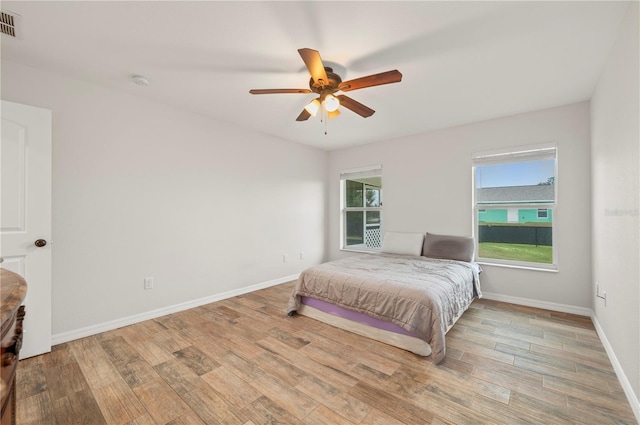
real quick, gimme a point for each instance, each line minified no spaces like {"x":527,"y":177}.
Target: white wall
{"x":615,"y":156}
{"x":427,"y":187}
{"x":142,"y":189}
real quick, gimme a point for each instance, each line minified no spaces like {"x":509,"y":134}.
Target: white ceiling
{"x":461,"y":61}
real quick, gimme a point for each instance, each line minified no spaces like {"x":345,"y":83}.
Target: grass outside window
{"x":516,"y":252}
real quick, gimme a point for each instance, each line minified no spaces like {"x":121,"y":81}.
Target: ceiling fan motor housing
{"x":326,"y":87}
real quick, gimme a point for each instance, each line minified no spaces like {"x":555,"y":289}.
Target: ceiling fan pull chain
{"x":326,"y":118}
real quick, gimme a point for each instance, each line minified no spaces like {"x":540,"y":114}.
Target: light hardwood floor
{"x":241,"y":361}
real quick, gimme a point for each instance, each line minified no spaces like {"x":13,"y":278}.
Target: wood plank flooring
{"x":241,"y":361}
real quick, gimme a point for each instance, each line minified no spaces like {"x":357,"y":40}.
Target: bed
{"x":399,"y":296}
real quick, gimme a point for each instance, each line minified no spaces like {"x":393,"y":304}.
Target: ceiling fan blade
{"x":315,"y":66}
{"x":355,"y":106}
{"x":304,"y":115}
{"x":272,"y":91}
{"x":371,"y":80}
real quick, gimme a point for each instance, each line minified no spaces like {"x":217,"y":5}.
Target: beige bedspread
{"x":422,"y":295}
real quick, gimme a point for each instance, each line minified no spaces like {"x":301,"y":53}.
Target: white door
{"x":25,"y":214}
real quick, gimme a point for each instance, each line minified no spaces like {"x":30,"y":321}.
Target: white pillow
{"x":403,"y":243}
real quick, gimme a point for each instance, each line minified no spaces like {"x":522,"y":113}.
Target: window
{"x":515,"y":199}
{"x":361,"y":205}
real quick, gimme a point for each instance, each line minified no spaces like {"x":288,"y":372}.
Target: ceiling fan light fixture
{"x":331,"y":103}
{"x":313,"y":107}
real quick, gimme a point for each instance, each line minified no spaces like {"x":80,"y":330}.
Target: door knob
{"x":40,"y":243}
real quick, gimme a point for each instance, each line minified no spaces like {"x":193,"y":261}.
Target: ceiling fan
{"x":326,"y":83}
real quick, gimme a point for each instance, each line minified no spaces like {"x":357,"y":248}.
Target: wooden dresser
{"x":13,"y":289}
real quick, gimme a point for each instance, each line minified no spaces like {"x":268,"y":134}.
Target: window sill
{"x":361,"y":250}
{"x":552,"y":268}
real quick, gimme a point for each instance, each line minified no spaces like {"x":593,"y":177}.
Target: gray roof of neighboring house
{"x":516,"y":194}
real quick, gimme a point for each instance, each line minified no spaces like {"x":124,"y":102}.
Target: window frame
{"x":510,"y":155}
{"x":363,"y":172}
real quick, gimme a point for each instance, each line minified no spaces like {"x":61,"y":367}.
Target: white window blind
{"x":361,"y":173}
{"x":530,"y":153}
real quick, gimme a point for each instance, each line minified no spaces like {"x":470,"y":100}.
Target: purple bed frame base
{"x":354,"y":316}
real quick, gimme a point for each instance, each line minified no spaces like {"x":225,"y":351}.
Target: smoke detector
{"x":139,"y":80}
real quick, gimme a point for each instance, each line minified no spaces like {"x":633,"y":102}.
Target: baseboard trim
{"x":546,"y":305}
{"x":63,"y":337}
{"x":624,"y":382}
{"x":564,"y":308}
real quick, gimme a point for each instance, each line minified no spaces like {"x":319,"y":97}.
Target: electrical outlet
{"x":148,"y":283}
{"x":285,"y":258}
{"x":302,"y":255}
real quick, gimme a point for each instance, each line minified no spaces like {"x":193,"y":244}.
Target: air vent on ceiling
{"x":10,"y":24}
